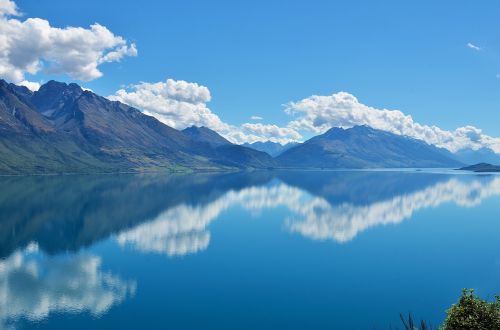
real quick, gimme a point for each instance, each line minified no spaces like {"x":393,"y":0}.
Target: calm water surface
{"x":264,"y":250}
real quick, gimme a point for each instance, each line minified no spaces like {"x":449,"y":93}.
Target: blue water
{"x":262,"y":250}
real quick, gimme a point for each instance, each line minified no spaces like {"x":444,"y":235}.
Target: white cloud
{"x":317,"y":114}
{"x":256,"y":118}
{"x":472,"y":46}
{"x":176,"y":103}
{"x":31,"y":85}
{"x":181,"y":104}
{"x":8,"y":7}
{"x":33,"y":44}
{"x":269,"y":131}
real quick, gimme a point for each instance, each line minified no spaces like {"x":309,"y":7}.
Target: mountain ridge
{"x":62,"y":128}
{"x":365,"y":147}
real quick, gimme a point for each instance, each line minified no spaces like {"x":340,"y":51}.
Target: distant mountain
{"x":61,"y":128}
{"x":272,"y":148}
{"x":483,"y":155}
{"x":482,"y":167}
{"x":364,"y":147}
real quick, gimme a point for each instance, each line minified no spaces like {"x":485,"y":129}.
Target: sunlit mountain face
{"x":64,"y":240}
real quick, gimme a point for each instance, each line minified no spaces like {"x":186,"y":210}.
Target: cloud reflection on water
{"x":184,"y":228}
{"x":318,"y":219}
{"x":34,"y":285}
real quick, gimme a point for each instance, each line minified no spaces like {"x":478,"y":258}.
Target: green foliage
{"x":472,"y":312}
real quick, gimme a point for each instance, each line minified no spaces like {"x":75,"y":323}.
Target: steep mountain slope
{"x":272,"y":148}
{"x":61,"y":128}
{"x":30,"y":144}
{"x":364,"y":147}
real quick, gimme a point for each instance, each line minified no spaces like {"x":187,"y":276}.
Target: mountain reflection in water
{"x":47,"y":224}
{"x":171,"y":214}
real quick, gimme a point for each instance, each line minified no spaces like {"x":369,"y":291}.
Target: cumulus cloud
{"x":270,"y":131}
{"x":176,"y":103}
{"x":8,"y":7}
{"x":472,"y":46}
{"x":181,"y":104}
{"x":33,"y":44}
{"x":317,"y":114}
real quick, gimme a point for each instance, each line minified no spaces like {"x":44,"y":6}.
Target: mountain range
{"x":62,"y":128}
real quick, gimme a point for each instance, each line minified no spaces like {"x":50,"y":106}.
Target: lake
{"x":260,"y":250}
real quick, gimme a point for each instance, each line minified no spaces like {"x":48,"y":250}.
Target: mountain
{"x":206,"y":135}
{"x":230,"y":154}
{"x":483,"y":155}
{"x":272,"y":148}
{"x":62,"y":128}
{"x":364,"y":147}
{"x":482,"y":167}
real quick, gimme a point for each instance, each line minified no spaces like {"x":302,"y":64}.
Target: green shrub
{"x":472,"y":312}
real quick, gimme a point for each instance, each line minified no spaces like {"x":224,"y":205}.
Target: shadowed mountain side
{"x":67,"y":212}
{"x":228,"y":154}
{"x":238,"y":156}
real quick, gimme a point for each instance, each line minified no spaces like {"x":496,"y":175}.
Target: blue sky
{"x":255,"y":56}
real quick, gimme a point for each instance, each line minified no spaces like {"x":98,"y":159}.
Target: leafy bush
{"x":472,"y":312}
